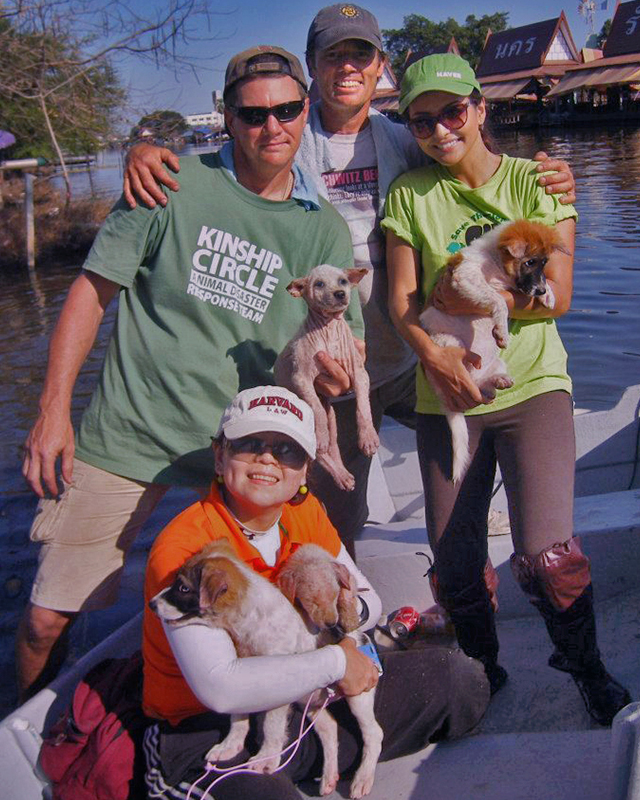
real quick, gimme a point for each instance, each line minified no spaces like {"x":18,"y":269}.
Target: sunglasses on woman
{"x":256,"y":116}
{"x":286,"y":453}
{"x":452,"y":117}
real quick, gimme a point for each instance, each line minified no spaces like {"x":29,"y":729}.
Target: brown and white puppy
{"x":326,"y":593}
{"x":216,"y":587}
{"x":511,"y":256}
{"x":327,"y":291}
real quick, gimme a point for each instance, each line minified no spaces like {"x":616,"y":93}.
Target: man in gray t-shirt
{"x":353,"y":153}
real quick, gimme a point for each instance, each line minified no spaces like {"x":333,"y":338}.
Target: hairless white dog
{"x":327,"y":291}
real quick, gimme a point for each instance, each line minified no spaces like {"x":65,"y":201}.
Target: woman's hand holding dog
{"x":447,"y":368}
{"x":360,"y":674}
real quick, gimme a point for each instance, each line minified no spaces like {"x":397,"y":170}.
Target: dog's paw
{"x":368,"y":442}
{"x":264,"y":762}
{"x":548,"y":299}
{"x":223,"y":751}
{"x":502,"y":382}
{"x":345,"y":480}
{"x":501,"y":336}
{"x":361,"y":784}
{"x":328,"y":783}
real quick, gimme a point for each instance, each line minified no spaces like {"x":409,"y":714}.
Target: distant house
{"x":615,"y":76}
{"x":387,"y":92}
{"x":416,"y":55}
{"x":524,"y":62}
{"x":212,"y":119}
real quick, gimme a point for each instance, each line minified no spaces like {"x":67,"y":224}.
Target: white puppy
{"x":327,"y":291}
{"x":511,"y":256}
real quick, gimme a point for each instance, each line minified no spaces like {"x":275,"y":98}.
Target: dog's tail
{"x":459,"y":443}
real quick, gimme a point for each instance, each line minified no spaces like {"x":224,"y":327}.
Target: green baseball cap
{"x":441,"y":72}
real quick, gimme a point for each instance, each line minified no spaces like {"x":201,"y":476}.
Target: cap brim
{"x":236,"y":430}
{"x":329,"y":38}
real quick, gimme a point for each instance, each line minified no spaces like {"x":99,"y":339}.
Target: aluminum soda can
{"x":403,"y":622}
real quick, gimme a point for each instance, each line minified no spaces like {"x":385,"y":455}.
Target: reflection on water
{"x":601,"y":332}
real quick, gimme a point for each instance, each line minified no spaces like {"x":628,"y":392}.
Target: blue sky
{"x":243,"y":24}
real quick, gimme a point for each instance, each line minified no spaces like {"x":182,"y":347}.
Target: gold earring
{"x":300,"y":496}
{"x":220,"y":479}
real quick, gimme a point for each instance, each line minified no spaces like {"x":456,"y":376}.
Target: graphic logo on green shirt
{"x":473,"y":228}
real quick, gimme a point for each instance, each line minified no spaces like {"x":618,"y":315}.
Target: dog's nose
{"x":340,"y":295}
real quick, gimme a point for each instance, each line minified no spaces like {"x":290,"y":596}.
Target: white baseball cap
{"x":271,"y":409}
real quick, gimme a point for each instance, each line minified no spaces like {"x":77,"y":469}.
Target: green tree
{"x":604,"y":34}
{"x":57,"y":63}
{"x":419,"y":34}
{"x":165,"y":124}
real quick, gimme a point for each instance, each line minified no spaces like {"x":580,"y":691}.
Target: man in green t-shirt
{"x":203,"y":312}
{"x":352,"y":153}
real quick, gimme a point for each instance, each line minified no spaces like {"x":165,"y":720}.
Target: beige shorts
{"x":85,"y":535}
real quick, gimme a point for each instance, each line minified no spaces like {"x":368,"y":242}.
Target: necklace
{"x":249,"y":532}
{"x":288,"y":187}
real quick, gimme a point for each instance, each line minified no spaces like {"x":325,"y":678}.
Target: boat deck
{"x":536,"y":741}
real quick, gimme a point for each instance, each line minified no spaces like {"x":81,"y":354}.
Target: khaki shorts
{"x":85,"y":535}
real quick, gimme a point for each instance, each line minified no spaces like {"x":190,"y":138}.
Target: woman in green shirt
{"x":431,"y":213}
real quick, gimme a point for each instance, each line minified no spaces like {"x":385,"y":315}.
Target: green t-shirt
{"x":202,"y":314}
{"x":438,"y":215}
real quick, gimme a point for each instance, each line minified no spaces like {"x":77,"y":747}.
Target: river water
{"x":601,"y":331}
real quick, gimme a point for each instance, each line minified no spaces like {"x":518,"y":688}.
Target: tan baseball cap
{"x":263,"y":58}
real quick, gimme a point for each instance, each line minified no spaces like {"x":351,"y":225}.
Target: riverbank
{"x":63,"y":234}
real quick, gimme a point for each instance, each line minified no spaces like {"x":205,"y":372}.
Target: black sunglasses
{"x":287,"y":453}
{"x":452,"y":117}
{"x":256,"y":116}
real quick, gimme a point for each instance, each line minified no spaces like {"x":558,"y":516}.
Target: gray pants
{"x":348,"y":511}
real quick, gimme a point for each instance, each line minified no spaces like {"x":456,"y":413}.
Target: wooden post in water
{"x":26,"y":164}
{"x":29,"y":220}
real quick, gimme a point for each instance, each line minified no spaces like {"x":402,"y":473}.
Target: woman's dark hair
{"x":486,"y":129}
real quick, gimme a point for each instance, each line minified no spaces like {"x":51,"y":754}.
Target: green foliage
{"x":419,"y":34}
{"x":165,"y":124}
{"x":603,"y":35}
{"x":39,"y":73}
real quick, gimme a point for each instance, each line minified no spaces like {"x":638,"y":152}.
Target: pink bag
{"x":90,"y":753}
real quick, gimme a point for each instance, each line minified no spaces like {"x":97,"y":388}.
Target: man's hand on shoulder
{"x":144,"y":173}
{"x":560,"y":181}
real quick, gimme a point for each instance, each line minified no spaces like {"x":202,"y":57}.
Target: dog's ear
{"x":345,"y":578}
{"x":296,"y":287}
{"x":213,"y":584}
{"x":287,"y":585}
{"x":514,"y":248}
{"x":356,"y":274}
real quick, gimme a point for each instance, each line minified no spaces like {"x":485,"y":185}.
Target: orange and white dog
{"x":511,"y":256}
{"x":216,"y":587}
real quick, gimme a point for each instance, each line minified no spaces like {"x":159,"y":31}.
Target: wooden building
{"x":609,"y":85}
{"x":523,"y":63}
